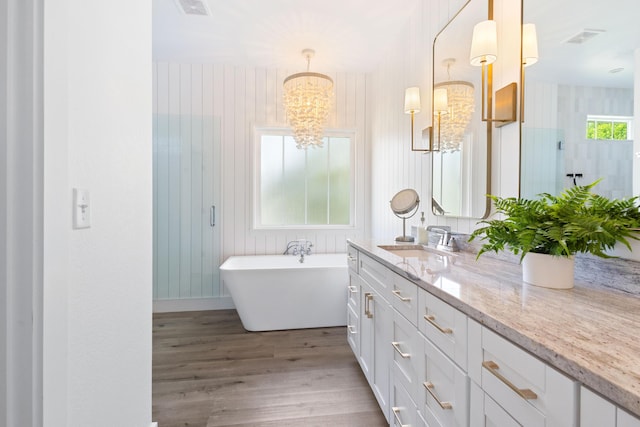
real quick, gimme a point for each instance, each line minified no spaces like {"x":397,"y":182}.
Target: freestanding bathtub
{"x":275,"y":292}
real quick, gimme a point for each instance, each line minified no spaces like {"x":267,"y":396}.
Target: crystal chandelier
{"x":455,"y":117}
{"x":308,"y":98}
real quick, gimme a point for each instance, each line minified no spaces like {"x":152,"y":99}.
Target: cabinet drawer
{"x":353,"y":330}
{"x":403,"y":409}
{"x":485,"y":412}
{"x":404,"y":297}
{"x":406,"y":348}
{"x":445,"y":326}
{"x":352,"y":258}
{"x":353,"y":297}
{"x":527,"y":388}
{"x":375,"y":274}
{"x":443,"y":390}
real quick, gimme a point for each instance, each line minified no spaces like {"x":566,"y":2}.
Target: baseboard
{"x":154,"y":424}
{"x":192,"y":304}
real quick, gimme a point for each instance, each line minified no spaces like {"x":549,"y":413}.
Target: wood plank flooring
{"x":208,"y":371}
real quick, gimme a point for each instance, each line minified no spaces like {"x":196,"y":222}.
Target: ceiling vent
{"x":584,"y":36}
{"x":193,"y":7}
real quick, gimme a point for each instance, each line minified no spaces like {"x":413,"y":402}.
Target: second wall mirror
{"x":460,"y":170}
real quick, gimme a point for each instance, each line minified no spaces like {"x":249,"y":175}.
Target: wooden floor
{"x":209,"y":371}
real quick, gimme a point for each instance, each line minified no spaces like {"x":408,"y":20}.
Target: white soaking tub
{"x":276,"y":292}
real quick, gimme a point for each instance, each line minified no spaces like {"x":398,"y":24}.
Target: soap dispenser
{"x":423,"y":234}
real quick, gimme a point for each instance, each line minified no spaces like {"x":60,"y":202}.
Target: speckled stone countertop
{"x":590,"y":332}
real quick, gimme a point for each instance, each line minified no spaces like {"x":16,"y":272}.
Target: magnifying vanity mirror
{"x":578,"y":123}
{"x":460,"y":169}
{"x":405,"y":205}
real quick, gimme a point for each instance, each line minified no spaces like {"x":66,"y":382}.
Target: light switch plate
{"x":81,"y":208}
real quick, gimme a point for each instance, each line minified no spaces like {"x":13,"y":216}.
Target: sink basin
{"x":414,"y":251}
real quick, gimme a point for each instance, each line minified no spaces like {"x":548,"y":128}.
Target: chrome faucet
{"x":300,"y":247}
{"x":447,"y":242}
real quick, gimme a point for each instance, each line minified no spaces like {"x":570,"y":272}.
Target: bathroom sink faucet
{"x":447,"y":242}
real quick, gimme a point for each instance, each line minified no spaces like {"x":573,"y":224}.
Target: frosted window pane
{"x":294,"y":183}
{"x":271,"y":184}
{"x":340,"y":181}
{"x":317,"y":184}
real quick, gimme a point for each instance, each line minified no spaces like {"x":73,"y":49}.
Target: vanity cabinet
{"x":596,"y":411}
{"x":510,"y":382}
{"x":375,"y":316}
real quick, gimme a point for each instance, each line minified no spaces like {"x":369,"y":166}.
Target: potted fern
{"x":549,"y":231}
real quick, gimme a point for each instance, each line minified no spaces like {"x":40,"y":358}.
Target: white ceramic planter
{"x":548,"y":271}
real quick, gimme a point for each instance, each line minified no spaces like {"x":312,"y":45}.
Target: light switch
{"x":81,"y":208}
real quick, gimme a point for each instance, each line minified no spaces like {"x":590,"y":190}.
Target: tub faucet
{"x":300,"y":247}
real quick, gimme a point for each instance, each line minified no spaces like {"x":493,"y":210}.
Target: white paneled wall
{"x":394,"y":165}
{"x":242,"y":99}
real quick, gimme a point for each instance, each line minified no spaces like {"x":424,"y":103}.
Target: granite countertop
{"x":590,"y":332}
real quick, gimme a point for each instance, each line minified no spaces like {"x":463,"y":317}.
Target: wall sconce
{"x":412,"y":106}
{"x":440,"y":107}
{"x":484,"y":52}
{"x":529,"y":57}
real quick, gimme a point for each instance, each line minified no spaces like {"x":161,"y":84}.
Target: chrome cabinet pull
{"x":351,"y":329}
{"x":350,"y":258}
{"x":493,"y":367}
{"x":399,"y":295}
{"x":212,"y":216}
{"x":429,"y":386}
{"x":353,"y":289}
{"x":396,"y":414}
{"x":396,"y":345}
{"x":432,"y":320}
{"x":368,"y":296}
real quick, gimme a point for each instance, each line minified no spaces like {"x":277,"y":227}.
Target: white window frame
{"x":336,"y":133}
{"x":613,"y":119}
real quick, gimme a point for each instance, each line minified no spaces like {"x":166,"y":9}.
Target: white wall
{"x":394,"y":165}
{"x":97,"y":283}
{"x":244,"y":98}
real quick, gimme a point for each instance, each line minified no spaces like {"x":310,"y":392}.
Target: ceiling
{"x":352,"y":35}
{"x":347,"y":35}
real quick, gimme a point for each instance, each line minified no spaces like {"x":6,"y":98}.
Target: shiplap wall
{"x":394,"y":165}
{"x":245,"y":98}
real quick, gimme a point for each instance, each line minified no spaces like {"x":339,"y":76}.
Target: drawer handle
{"x":351,"y":258}
{"x":429,"y":386}
{"x":353,"y":290}
{"x":396,"y":414}
{"x":403,"y":299}
{"x":396,"y":345}
{"x":493,"y":367}
{"x":351,"y":329}
{"x":368,"y":296}
{"x":432,"y":320}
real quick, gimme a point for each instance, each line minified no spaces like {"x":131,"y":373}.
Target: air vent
{"x":193,"y":7}
{"x":584,"y":36}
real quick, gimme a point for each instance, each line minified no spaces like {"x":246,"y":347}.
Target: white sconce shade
{"x":529,"y":45}
{"x":440,"y":102}
{"x":484,"y":44}
{"x":412,"y":100}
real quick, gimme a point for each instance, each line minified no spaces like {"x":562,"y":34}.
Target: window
{"x":609,"y":127}
{"x":309,"y":188}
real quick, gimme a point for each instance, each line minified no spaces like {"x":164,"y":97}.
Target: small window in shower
{"x":609,"y":128}
{"x":303,"y":188}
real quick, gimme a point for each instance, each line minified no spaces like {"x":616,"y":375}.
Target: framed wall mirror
{"x":461,"y":167}
{"x":578,"y":121}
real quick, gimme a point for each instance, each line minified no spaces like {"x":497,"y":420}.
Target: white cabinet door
{"x":485,"y":412}
{"x":375,"y":337}
{"x":365,"y":358}
{"x":625,"y":419}
{"x":353,"y":331}
{"x":380,"y":375}
{"x":596,"y":411}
